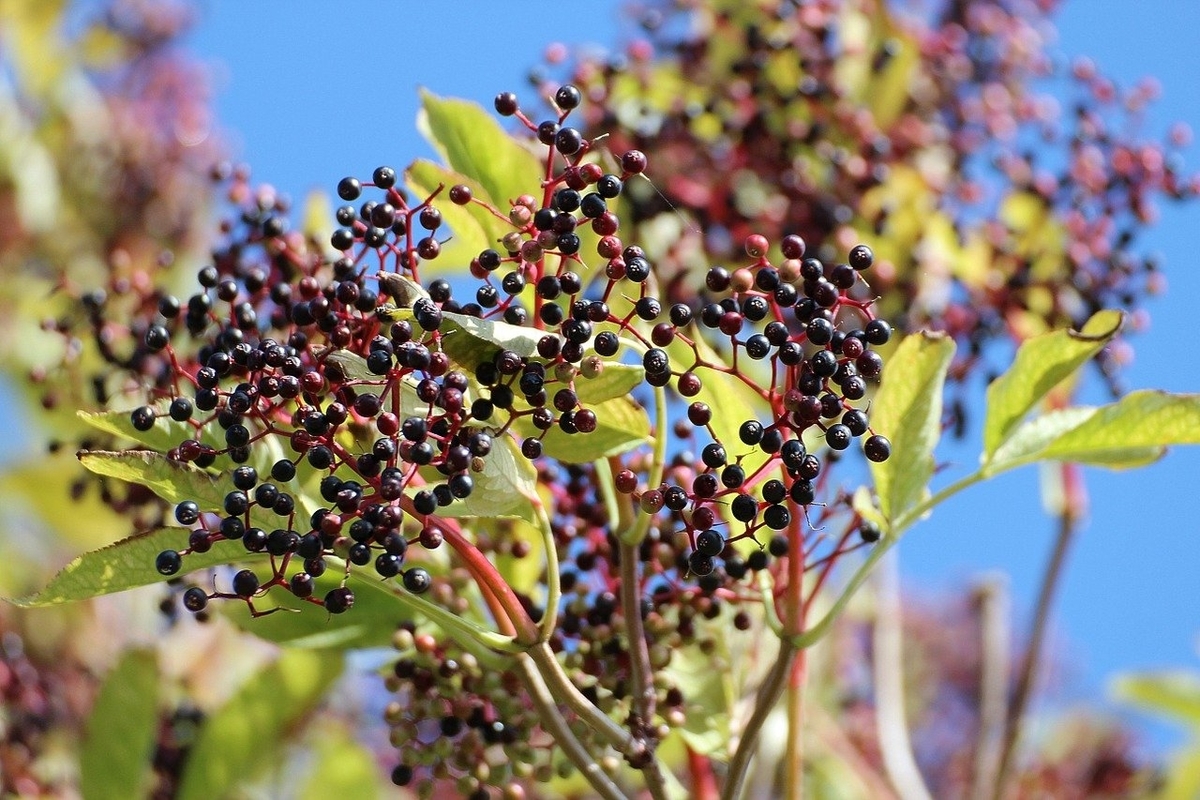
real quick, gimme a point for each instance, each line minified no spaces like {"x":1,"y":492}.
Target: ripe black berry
{"x":417,"y":580}
{"x":168,"y":562}
{"x":339,"y":601}
{"x":877,"y":448}
{"x":245,"y":583}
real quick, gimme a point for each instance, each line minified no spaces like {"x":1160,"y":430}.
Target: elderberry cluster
{"x":355,"y":412}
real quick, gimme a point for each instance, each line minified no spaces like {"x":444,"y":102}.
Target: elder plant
{"x":601,"y":523}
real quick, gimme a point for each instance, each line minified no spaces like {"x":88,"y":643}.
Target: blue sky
{"x":311,"y":96}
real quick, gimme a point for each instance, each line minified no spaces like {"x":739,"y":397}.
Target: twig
{"x":991,"y":597}
{"x":890,"y":721}
{"x":639,"y":665}
{"x":1029,"y":665}
{"x":768,"y":695}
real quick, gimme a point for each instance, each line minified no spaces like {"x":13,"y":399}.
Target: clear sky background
{"x":310,"y":92}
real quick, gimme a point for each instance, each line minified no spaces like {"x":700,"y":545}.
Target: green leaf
{"x":42,"y":487}
{"x":908,"y":410}
{"x":1032,"y":441}
{"x":615,"y":380}
{"x":470,"y":341}
{"x":622,"y":425}
{"x":128,"y":564}
{"x":343,"y":768}
{"x":171,"y":480}
{"x":371,"y":623}
{"x":709,"y":694}
{"x":473,"y":227}
{"x":523,"y":574}
{"x":504,"y":486}
{"x":1041,"y":363}
{"x":1141,"y":420}
{"x":1175,"y":694}
{"x":114,"y":762}
{"x":165,"y":434}
{"x":247,"y":734}
{"x":473,"y":144}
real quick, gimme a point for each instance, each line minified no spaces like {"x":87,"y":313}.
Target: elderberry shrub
{"x":358,"y":414}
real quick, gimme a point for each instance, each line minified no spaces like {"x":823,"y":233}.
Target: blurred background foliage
{"x":107,"y":148}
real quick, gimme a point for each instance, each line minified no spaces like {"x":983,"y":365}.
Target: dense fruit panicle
{"x":358,"y":414}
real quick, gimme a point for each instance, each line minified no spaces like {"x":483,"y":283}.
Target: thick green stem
{"x":553,"y":579}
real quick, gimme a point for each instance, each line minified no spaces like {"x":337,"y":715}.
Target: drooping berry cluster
{"x":357,"y":411}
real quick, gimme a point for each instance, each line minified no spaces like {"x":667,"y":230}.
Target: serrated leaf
{"x":1173,"y":693}
{"x":354,"y":367}
{"x":344,"y":767}
{"x":621,"y":425}
{"x":166,"y":433}
{"x":472,"y":143}
{"x":173,"y":481}
{"x":1141,"y":420}
{"x":908,"y":410}
{"x":128,"y":564}
{"x":470,"y":341}
{"x":1031,"y":441}
{"x":405,"y":291}
{"x":370,"y":623}
{"x":114,"y":762}
{"x":1041,"y":363}
{"x":504,"y":486}
{"x":247,"y":735}
{"x":473,"y":227}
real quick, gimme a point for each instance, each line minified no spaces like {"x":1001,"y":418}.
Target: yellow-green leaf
{"x":344,"y":767}
{"x":473,"y":227}
{"x":114,"y":762}
{"x":908,"y":410}
{"x":473,"y":144}
{"x":247,"y":735}
{"x":622,"y":425}
{"x":1142,"y":420}
{"x":504,"y":486}
{"x":1173,"y":693}
{"x":128,"y":564}
{"x":1041,"y":364}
